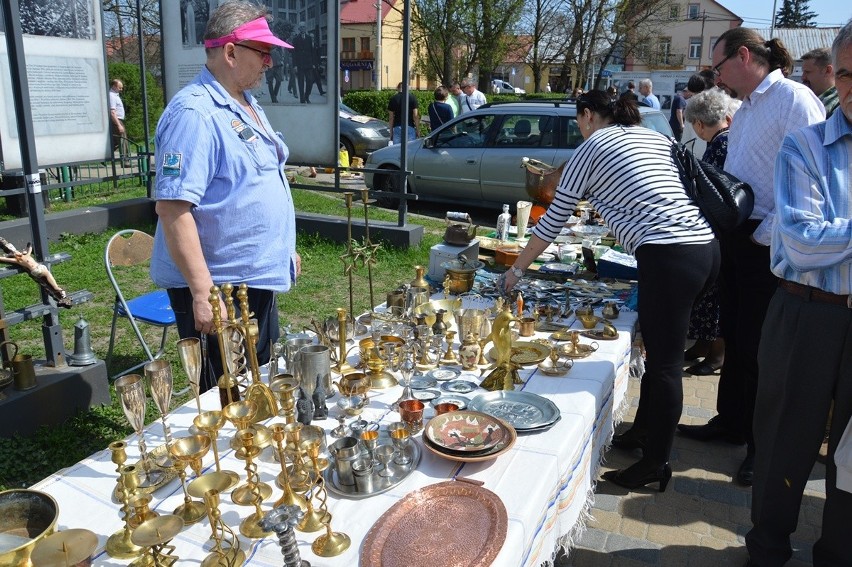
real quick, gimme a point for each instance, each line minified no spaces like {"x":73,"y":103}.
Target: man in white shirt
{"x":116,"y":121}
{"x":472,"y":98}
{"x":646,"y":89}
{"x":752,"y":70}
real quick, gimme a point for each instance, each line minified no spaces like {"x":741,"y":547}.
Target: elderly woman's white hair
{"x":710,"y":107}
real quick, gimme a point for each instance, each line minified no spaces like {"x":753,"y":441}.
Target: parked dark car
{"x":476,"y":157}
{"x":361,"y":135}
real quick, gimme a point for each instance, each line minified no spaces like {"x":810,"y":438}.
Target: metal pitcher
{"x":291,"y":348}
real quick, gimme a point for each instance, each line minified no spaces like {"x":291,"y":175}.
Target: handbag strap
{"x":686,"y":166}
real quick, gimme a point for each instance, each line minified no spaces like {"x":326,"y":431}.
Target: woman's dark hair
{"x":441,"y":93}
{"x":624,"y":111}
{"x":701,"y":81}
{"x":772,"y":53}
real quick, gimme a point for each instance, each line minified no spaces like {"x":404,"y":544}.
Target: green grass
{"x":320,"y":290}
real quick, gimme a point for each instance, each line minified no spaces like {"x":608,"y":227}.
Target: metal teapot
{"x":460,"y":229}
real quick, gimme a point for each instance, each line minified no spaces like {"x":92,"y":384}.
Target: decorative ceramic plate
{"x":460,"y":401}
{"x":425,"y":395}
{"x":476,"y":456}
{"x":459,"y":386}
{"x":441,"y":374}
{"x":465,"y":431}
{"x":525,"y":353}
{"x":449,"y":524}
{"x":423,"y":382}
{"x":521,"y":410}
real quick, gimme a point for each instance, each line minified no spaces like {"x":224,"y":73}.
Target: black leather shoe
{"x":745,"y":476}
{"x":629,"y":440}
{"x":631,"y":480}
{"x":710,"y":431}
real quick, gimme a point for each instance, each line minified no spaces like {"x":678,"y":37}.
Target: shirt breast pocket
{"x":255,"y":149}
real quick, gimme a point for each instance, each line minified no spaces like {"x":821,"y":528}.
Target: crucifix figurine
{"x":38,"y":272}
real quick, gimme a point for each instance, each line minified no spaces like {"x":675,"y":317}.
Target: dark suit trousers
{"x":261,"y":302}
{"x":805,"y":363}
{"x":747,"y":285}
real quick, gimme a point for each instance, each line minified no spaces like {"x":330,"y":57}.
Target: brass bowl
{"x":448,"y":305}
{"x":354,"y":384}
{"x":26,"y":518}
{"x":588,"y":321}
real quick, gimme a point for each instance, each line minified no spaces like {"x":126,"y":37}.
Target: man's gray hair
{"x":708,"y":107}
{"x":842,"y":41}
{"x":231,"y":15}
{"x":646,"y":83}
{"x":821,"y":56}
{"x":468,"y":83}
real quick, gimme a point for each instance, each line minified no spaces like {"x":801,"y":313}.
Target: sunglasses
{"x":265,"y":55}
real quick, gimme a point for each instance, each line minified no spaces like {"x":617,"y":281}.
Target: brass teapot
{"x":460,"y":229}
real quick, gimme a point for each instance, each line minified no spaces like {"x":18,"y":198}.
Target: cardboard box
{"x":441,"y":253}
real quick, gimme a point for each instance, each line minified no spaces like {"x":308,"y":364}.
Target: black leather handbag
{"x":725,"y":200}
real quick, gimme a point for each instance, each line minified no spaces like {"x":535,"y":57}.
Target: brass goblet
{"x":209,"y":423}
{"x":283,"y":387}
{"x":131,"y":392}
{"x":242,"y":414}
{"x":189,"y":451}
{"x":189,"y":350}
{"x":161,"y":383}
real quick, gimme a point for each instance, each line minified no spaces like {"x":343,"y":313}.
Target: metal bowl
{"x":449,"y":305}
{"x":26,"y":517}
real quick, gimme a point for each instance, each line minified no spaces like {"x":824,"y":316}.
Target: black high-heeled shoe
{"x":629,"y":440}
{"x":632,"y":481}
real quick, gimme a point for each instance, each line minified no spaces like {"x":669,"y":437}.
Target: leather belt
{"x":815,"y":294}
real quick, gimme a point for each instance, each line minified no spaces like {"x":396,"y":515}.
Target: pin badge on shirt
{"x":171,"y":163}
{"x":244,"y":131}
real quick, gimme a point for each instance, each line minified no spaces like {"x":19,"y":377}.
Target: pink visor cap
{"x":255,"y":30}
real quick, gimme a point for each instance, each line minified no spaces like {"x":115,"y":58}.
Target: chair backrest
{"x":129,"y":248}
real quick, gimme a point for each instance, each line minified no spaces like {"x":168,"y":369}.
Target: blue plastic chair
{"x":133,"y":248}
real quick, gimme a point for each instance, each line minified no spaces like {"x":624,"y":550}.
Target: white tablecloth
{"x":544,"y":480}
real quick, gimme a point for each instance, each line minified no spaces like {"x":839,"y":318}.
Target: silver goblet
{"x":161,"y":382}
{"x":131,"y":392}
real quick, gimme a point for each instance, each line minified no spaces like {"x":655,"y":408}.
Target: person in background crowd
{"x":224,"y":205}
{"x":275,"y":74}
{"x":547,"y":88}
{"x":303,"y":62}
{"x":676,"y":254}
{"x":805,"y":351}
{"x":773,"y":106}
{"x":646,"y":89}
{"x":439,"y":111}
{"x":676,"y":117}
{"x":631,"y":91}
{"x":710,"y":113}
{"x":454,"y":98}
{"x":818,"y":74}
{"x":613,"y":93}
{"x":395,"y":115}
{"x":472,"y":98}
{"x":116,"y":122}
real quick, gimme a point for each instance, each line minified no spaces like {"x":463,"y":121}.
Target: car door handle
{"x":471,"y":161}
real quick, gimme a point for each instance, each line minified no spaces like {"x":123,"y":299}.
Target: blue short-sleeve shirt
{"x":211,"y":153}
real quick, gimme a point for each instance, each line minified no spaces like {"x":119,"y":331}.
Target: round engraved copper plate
{"x":449,"y":524}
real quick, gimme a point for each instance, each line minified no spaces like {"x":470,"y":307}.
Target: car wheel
{"x":390,"y":183}
{"x":350,"y":148}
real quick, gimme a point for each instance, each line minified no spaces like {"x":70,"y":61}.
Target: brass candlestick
{"x":141,"y":510}
{"x":283,"y":387}
{"x":250,"y":526}
{"x":242,"y":414}
{"x":258,"y":392}
{"x":342,"y":367}
{"x":330,"y":544}
{"x":243,"y":495}
{"x":369,"y":249}
{"x":209,"y":423}
{"x":288,"y":498}
{"x":450,"y":354}
{"x":299,"y":477}
{"x":189,"y":451}
{"x":229,"y":391}
{"x":229,"y":554}
{"x":119,"y":544}
{"x":350,"y":258}
{"x":317,"y":515}
{"x":154,"y":535}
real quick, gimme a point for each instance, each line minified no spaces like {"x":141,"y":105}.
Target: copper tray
{"x":477,"y":457}
{"x":449,"y":524}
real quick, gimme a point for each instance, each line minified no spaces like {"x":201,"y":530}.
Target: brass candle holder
{"x":72,"y":547}
{"x":242,"y":414}
{"x":342,"y":367}
{"x":226,"y":550}
{"x":283,"y":387}
{"x":209,"y":423}
{"x":227,"y":384}
{"x":250,"y":526}
{"x":289,"y":497}
{"x":258,"y":392}
{"x":331,"y":543}
{"x":119,"y":544}
{"x":316,"y":515}
{"x":154,"y":535}
{"x":450,"y":357}
{"x":299,"y":477}
{"x":189,"y":451}
{"x":141,"y":510}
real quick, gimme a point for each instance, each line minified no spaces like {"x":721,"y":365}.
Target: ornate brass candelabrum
{"x":154,"y":535}
{"x":229,"y":391}
{"x":209,"y":423}
{"x":289,"y":497}
{"x":331,"y":543}
{"x":226,"y":550}
{"x":189,"y":451}
{"x":258,"y":392}
{"x":119,"y":544}
{"x":250,"y":526}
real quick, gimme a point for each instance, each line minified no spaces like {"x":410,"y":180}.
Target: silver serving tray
{"x":523,"y":410}
{"x":380,"y":483}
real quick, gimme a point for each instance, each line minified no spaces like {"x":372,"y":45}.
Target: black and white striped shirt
{"x":628,"y":175}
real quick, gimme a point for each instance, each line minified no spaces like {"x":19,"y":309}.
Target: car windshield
{"x":346,"y":110}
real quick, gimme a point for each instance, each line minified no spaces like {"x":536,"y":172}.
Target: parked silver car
{"x":476,"y":157}
{"x":361,"y":135}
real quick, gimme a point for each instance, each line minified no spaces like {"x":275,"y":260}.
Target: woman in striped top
{"x":627,"y":173}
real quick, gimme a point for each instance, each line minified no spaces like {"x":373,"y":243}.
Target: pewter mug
{"x":313,"y":363}
{"x":291,"y":347}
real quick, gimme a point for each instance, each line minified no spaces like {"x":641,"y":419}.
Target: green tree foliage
{"x":132,"y":98}
{"x":795,"y":14}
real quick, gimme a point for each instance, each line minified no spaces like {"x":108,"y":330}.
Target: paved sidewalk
{"x":701,"y":519}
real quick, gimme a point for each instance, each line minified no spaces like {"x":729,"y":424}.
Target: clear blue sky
{"x":758,"y":13}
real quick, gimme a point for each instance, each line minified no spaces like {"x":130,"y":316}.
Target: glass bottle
{"x":503,"y":222}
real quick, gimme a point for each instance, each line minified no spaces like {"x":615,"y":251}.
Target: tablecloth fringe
{"x":567,"y":542}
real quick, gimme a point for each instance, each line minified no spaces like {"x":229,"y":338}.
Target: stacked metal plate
{"x":525,"y":411}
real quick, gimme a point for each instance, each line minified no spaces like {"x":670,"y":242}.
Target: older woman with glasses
{"x":627,"y":173}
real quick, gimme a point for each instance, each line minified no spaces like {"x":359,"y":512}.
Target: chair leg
{"x":162,"y":349}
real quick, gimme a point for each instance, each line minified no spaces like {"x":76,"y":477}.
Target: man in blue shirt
{"x":224,"y":205}
{"x":805,"y":349}
{"x":646,"y":89}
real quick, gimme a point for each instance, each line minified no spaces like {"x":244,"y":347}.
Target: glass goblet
{"x":131,"y":392}
{"x":160,"y":381}
{"x":189,"y":350}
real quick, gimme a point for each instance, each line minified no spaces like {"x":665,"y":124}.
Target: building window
{"x":674,"y":11}
{"x":694,"y":47}
{"x":642,"y":52}
{"x":292,"y":4}
{"x":664,"y":48}
{"x":713,"y":40}
{"x":365,"y":44}
{"x":693,"y":11}
{"x":348,"y":44}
